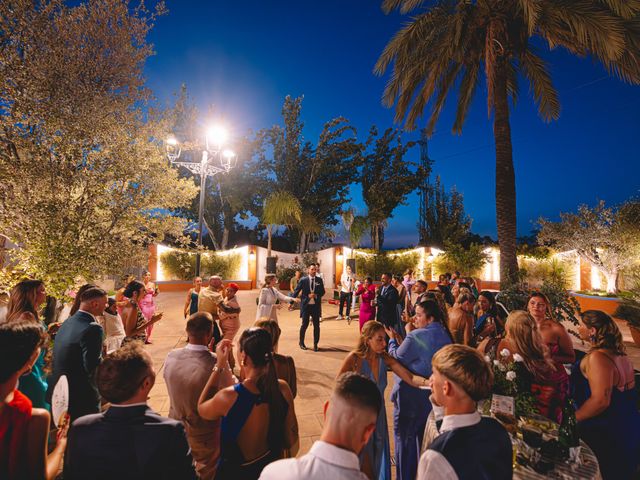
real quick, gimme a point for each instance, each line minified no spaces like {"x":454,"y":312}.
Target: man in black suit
{"x":129,"y":441}
{"x":77,"y":351}
{"x":312,"y":289}
{"x":387,"y":301}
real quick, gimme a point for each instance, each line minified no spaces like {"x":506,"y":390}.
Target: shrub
{"x":396,"y":262}
{"x":469,"y":262}
{"x":181,"y":264}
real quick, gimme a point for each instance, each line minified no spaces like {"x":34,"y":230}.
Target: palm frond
{"x":444,"y":85}
{"x":531,"y":10}
{"x":405,"y":6}
{"x":627,"y":9}
{"x":281,"y":208}
{"x":546,"y":96}
{"x":468,"y":87}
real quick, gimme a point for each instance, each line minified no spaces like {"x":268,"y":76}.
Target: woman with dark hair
{"x":371,"y":360}
{"x":487,"y":323}
{"x":135,"y":324}
{"x":24,"y":303}
{"x":367,"y":301}
{"x":24,"y":430}
{"x":604,"y":390}
{"x":445,"y":288}
{"x":285,"y":366}
{"x":258,"y":417}
{"x":426,"y":334}
{"x":552,"y":331}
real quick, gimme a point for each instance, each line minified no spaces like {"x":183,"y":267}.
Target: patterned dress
{"x":140,"y":336}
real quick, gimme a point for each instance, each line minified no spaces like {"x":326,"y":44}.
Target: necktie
{"x":313,"y":283}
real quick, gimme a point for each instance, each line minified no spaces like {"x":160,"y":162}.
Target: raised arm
{"x":403,"y":373}
{"x":216,"y":398}
{"x":283,"y":298}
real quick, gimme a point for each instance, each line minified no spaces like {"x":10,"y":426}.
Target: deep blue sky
{"x":245,"y":57}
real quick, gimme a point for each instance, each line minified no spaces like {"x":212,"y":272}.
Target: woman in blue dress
{"x":604,"y":390}
{"x":371,"y":360}
{"x":191,"y":305}
{"x":24,"y":302}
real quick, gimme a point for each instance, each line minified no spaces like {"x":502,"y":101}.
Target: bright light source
{"x":172,"y":141}
{"x":228,"y":154}
{"x":217,"y":135}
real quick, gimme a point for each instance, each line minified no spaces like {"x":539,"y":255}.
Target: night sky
{"x":245,"y":57}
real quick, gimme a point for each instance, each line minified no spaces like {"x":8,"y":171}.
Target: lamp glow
{"x":217,"y":135}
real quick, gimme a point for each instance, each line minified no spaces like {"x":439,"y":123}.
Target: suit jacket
{"x":387,"y":302}
{"x":77,"y":351}
{"x":127,"y":443}
{"x":304,"y":286}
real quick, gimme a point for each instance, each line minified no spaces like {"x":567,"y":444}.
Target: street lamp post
{"x":214,"y":160}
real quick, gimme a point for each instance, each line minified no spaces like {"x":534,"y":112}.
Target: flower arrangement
{"x":512,"y":379}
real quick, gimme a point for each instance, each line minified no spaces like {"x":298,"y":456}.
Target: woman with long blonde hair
{"x":549,"y":381}
{"x":604,"y":389}
{"x":25,"y":301}
{"x":370,"y":359}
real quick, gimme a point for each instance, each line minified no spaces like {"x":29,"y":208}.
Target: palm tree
{"x":280,"y":208}
{"x":310,"y":229}
{"x":347,"y":220}
{"x":359,"y":227}
{"x":446,"y":45}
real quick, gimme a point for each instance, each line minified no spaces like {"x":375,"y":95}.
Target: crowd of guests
{"x":232,"y":412}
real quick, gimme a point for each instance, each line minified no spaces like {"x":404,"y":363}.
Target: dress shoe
{"x":303,"y":346}
{"x":315,"y":348}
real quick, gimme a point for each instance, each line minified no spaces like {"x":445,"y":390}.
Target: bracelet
{"x":218,"y":369}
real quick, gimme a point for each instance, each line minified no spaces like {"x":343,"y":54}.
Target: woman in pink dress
{"x":367,"y":301}
{"x":147,"y":304}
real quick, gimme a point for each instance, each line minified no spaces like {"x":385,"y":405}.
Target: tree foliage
{"x":448,"y":44}
{"x":84,"y":183}
{"x":280,"y":208}
{"x":446,"y":221}
{"x":387,"y":179}
{"x":319,"y":175}
{"x":608,"y":238}
{"x":468,"y":261}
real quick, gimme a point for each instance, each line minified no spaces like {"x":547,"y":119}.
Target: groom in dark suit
{"x":77,"y":351}
{"x":387,"y":301}
{"x":312,"y":289}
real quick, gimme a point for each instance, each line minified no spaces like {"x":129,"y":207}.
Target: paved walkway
{"x":316,"y":370}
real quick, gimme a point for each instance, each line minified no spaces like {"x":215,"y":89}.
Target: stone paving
{"x":316,"y":371}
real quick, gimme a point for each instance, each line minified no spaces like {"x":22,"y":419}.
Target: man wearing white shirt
{"x":346,"y":292}
{"x":350,"y":419}
{"x":469,"y":446}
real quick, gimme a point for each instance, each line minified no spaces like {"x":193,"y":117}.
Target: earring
{"x":592,"y":338}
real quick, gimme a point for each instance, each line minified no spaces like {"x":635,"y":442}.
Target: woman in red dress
{"x":367,"y":301}
{"x":24,"y":430}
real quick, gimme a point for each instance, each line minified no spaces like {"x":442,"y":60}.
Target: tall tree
{"x":84,"y":183}
{"x":445,"y":218}
{"x":387,"y":179}
{"x":318,"y":176}
{"x":448,"y":43}
{"x":607,"y":238}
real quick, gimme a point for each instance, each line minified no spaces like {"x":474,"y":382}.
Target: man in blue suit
{"x":129,"y":441}
{"x":387,"y":302}
{"x":77,"y":351}
{"x":312,"y":288}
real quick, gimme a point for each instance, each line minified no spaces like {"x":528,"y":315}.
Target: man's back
{"x":76,"y":353}
{"x":127,"y":443}
{"x":323,"y":462}
{"x":186,"y":371}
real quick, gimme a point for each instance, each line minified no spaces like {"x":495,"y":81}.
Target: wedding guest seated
{"x":469,"y":446}
{"x":186,"y":371}
{"x":285,"y":366}
{"x":549,"y":381}
{"x":487,"y":322}
{"x":129,"y":440}
{"x":461,"y":318}
{"x":349,"y":420}
{"x":604,"y":389}
{"x":554,"y":335}
{"x":24,"y":430}
{"x":258,"y":417}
